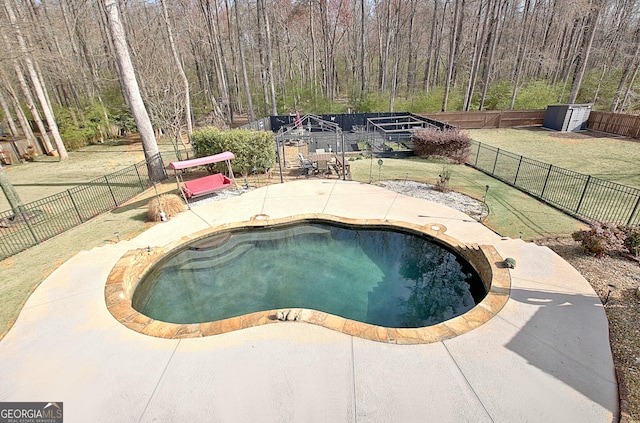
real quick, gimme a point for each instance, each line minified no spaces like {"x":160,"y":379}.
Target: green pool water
{"x":378,"y":276}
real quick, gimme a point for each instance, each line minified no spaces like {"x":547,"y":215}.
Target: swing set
{"x":206,"y":184}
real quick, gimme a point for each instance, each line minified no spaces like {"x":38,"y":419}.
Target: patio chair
{"x":306,"y":165}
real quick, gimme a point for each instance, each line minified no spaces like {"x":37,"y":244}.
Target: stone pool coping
{"x":135,"y":264}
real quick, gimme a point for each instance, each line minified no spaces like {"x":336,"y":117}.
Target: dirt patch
{"x":582,"y":135}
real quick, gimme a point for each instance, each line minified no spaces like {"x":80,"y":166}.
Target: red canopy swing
{"x":206,"y":184}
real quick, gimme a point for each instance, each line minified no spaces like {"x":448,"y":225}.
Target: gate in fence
{"x":40,"y":220}
{"x":580,"y":195}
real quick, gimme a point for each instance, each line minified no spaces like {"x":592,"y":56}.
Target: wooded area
{"x":211,"y":60}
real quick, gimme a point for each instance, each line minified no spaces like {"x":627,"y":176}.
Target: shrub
{"x":632,"y":239}
{"x":449,"y":143}
{"x":170,"y":204}
{"x":600,"y":240}
{"x":442,"y":184}
{"x":254,"y":150}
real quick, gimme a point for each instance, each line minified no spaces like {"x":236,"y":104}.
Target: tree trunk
{"x":22,"y":119}
{"x":245,"y":79}
{"x":7,"y":114}
{"x":396,"y":58}
{"x":411,"y":63}
{"x":36,"y":84}
{"x":625,"y":76}
{"x":362,"y":47}
{"x":314,"y":59}
{"x":176,"y":58}
{"x":223,"y":79}
{"x":272,"y":89}
{"x":34,"y":111}
{"x":625,"y":99}
{"x":595,"y":94}
{"x":583,"y":57}
{"x":426,"y":85}
{"x":477,"y":55}
{"x":262,"y":48}
{"x":493,"y":36}
{"x":10,"y":192}
{"x":131,"y":91}
{"x":452,"y":55}
{"x":523,"y":42}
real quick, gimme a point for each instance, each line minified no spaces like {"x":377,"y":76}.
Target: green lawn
{"x":512,"y":213}
{"x":612,"y":158}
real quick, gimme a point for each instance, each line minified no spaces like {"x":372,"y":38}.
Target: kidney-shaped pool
{"x":376,"y":278}
{"x":381,"y":276}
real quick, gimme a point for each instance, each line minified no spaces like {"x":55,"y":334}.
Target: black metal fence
{"x":583,"y":196}
{"x":40,"y":220}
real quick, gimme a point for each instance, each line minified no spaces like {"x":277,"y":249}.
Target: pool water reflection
{"x":384,"y":277}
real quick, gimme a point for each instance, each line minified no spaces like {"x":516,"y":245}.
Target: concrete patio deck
{"x":544,"y":358}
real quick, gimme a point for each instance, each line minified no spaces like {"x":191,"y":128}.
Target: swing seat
{"x":206,"y":185}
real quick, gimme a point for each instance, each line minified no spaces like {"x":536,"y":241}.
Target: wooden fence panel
{"x":615,"y":123}
{"x":490,"y":118}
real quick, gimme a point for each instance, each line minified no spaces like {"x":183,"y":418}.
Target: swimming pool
{"x":377,"y":275}
{"x":381,"y":280}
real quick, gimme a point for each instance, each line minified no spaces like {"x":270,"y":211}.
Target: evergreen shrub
{"x":254,"y":150}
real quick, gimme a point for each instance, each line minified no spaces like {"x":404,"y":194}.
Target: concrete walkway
{"x":544,"y":358}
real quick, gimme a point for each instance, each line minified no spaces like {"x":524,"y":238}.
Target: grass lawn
{"x":512,"y":213}
{"x":47,"y":175}
{"x":593,"y":153}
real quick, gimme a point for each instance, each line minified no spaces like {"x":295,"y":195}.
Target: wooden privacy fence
{"x":490,"y":118}
{"x":615,"y":123}
{"x":612,"y":123}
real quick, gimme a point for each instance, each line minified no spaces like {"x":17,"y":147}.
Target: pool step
{"x":225,"y":247}
{"x":211,"y":260}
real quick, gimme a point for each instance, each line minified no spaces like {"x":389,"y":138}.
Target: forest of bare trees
{"x":213,"y":60}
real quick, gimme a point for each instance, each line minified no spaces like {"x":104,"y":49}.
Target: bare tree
{"x":131,"y":91}
{"x":9,"y":118}
{"x":36,"y":83}
{"x":629,"y":64}
{"x":22,"y":119}
{"x":178,"y":62}
{"x":243,"y":62}
{"x":585,"y":50}
{"x":452,"y":54}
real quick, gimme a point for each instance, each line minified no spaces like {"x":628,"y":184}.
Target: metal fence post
{"x":26,"y":221}
{"x":477,"y":155}
{"x":584,"y":191}
{"x":544,"y":187}
{"x":111,"y":191}
{"x":517,"y":172}
{"x":495,"y":162}
{"x":135,"y":166}
{"x":633,"y":213}
{"x":75,"y":206}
